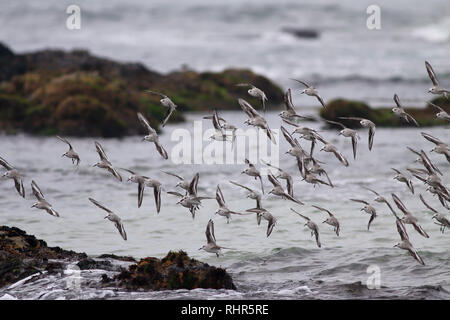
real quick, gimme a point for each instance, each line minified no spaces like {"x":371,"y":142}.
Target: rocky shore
{"x":22,"y":255}
{"x":76,"y":93}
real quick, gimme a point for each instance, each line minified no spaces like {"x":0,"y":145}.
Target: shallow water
{"x":287,"y":265}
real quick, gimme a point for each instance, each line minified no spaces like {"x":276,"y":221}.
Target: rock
{"x":302,"y":33}
{"x":22,"y":255}
{"x":382,"y":117}
{"x":74,"y":93}
{"x":175,"y":271}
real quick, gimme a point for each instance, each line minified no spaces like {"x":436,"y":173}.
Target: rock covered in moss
{"x":383,"y":117}
{"x":175,"y":271}
{"x":76,"y":93}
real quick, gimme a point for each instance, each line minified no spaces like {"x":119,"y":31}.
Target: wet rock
{"x":302,"y":33}
{"x":74,"y":93}
{"x":22,"y":255}
{"x":175,"y":271}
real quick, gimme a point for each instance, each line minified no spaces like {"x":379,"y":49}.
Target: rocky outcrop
{"x":382,"y":117}
{"x":76,"y":93}
{"x":22,"y":255}
{"x":175,"y":271}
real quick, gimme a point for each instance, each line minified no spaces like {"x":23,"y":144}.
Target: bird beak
{"x":200,"y":248}
{"x":63,"y":155}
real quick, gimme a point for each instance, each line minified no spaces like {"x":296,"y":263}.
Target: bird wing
{"x":302,"y":82}
{"x":173,"y":174}
{"x":242,"y":186}
{"x":304,"y":217}
{"x":335,"y":122}
{"x":288,"y":137}
{"x":397,"y":101}
{"x":361,"y":201}
{"x":141,"y":187}
{"x":154,"y":92}
{"x":210,"y":238}
{"x":145,"y":123}
{"x":436,"y":106}
{"x":248,"y":109}
{"x":98,"y":204}
{"x":5,"y":164}
{"x":37,"y":191}
{"x":161,"y":150}
{"x":371,"y":136}
{"x":431,"y":73}
{"x":65,"y":141}
{"x":399,"y":204}
{"x":273,"y":180}
{"x":320,"y":100}
{"x":193,"y":185}
{"x":219,"y":197}
{"x":288,"y":101}
{"x":323,"y":209}
{"x":167,"y":116}
{"x":430,"y":138}
{"x":426,"y":204}
{"x":157,"y":194}
{"x":175,"y":193}
{"x":100,"y":151}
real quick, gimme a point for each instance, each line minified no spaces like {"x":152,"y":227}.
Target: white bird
{"x":278,"y":190}
{"x":253,"y":172}
{"x":211,"y":245}
{"x":368,"y":209}
{"x":223,"y":209}
{"x":310,"y":91}
{"x":152,"y":136}
{"x":440,"y":148}
{"x":401,"y":113}
{"x":42,"y":203}
{"x":283,"y":175}
{"x":347,"y":132}
{"x":402,"y":178}
{"x":435,"y":89}
{"x":331,"y":220}
{"x":442,"y":221}
{"x":255,"y":92}
{"x":408,"y":217}
{"x":271,"y":220}
{"x":290,"y":114}
{"x":12,"y":173}
{"x":365,"y":123}
{"x":442,"y":114}
{"x":166,"y":102}
{"x":71,"y":154}
{"x":104,"y":163}
{"x":328,"y":147}
{"x":111,"y":216}
{"x":255,"y":119}
{"x":405,"y":244}
{"x":140,"y":180}
{"x":312,"y":226}
{"x":183,"y":184}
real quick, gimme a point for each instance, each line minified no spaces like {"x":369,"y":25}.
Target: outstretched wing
{"x":210,"y":237}
{"x":145,"y":123}
{"x":219,"y":197}
{"x":98,"y":204}
{"x":431,"y":73}
{"x":65,"y":141}
{"x":100,"y":151}
{"x":37,"y":191}
{"x":5,"y":164}
{"x":426,"y":204}
{"x":302,"y":82}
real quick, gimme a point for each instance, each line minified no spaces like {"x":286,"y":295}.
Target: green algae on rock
{"x":382,"y":117}
{"x":78,"y":94}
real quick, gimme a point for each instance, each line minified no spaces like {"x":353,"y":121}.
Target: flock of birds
{"x":309,"y":167}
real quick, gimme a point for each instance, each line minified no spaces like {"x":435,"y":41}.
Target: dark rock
{"x":175,"y":271}
{"x":22,"y":255}
{"x":74,"y":93}
{"x":302,"y":33}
